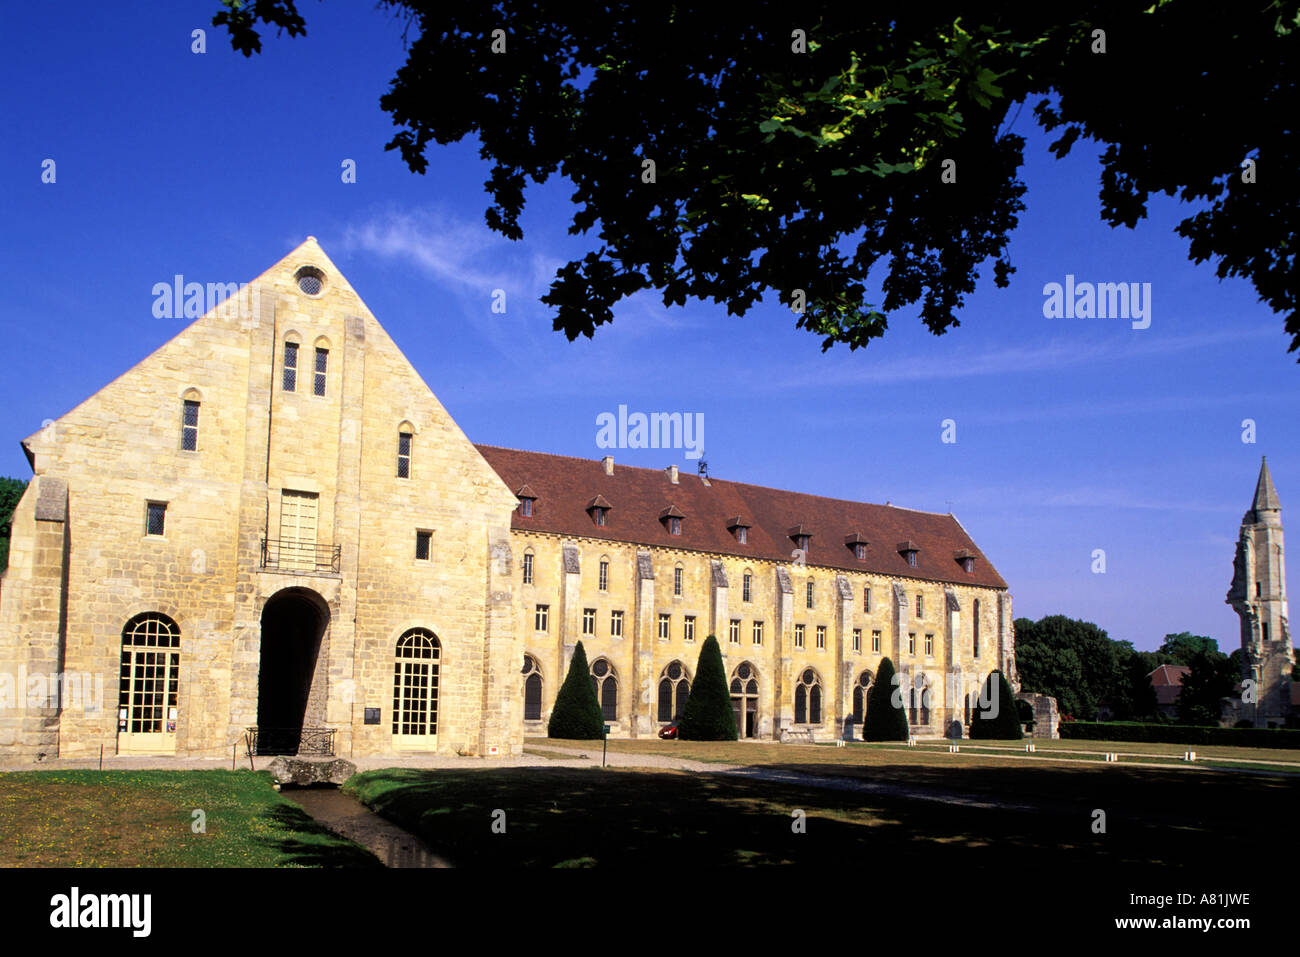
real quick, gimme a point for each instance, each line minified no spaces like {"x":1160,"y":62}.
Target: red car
{"x":669,"y":731}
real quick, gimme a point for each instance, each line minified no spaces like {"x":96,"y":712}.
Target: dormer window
{"x":859,"y":546}
{"x":966,"y":559}
{"x":909,"y":551}
{"x":800,"y":536}
{"x":598,"y":508}
{"x":526,"y":498}
{"x":672,"y":519}
{"x":740,"y":528}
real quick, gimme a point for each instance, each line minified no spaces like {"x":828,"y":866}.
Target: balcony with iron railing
{"x":304,"y":558}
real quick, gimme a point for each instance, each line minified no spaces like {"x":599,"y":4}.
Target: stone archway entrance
{"x":291,"y":675}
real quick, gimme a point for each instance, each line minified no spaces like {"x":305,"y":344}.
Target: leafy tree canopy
{"x":1185,"y":646}
{"x":880,"y":150}
{"x":11,"y":490}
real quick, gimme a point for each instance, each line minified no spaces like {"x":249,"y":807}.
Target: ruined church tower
{"x":1258,"y":596}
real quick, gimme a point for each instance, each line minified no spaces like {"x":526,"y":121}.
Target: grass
{"x":145,"y":819}
{"x":575,"y":817}
{"x":765,"y":754}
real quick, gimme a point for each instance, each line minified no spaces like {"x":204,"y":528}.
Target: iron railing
{"x":290,"y":556}
{"x":291,"y":741}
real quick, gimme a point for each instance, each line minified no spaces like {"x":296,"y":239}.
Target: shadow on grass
{"x":619,"y":817}
{"x":302,"y":842}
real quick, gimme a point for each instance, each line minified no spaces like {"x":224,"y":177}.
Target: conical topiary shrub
{"x":995,"y":714}
{"x":708,"y":715}
{"x":576,"y":714}
{"x":884,"y":721}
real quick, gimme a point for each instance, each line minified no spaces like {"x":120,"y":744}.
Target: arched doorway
{"x":744,"y":699}
{"x":291,"y":677}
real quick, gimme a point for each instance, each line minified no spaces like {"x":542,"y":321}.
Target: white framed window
{"x":857,"y":640}
{"x":733,"y":631}
{"x":798,"y":636}
{"x":602,"y":579}
{"x":821,"y":636}
{"x":875,"y":642}
{"x":616,"y":624}
{"x":746,"y":587}
{"x":758,"y":632}
{"x":542,"y":618}
{"x":677,"y":581}
{"x":589,"y":621}
{"x":665,"y":625}
{"x":866,"y":599}
{"x":810,"y":593}
{"x":929,"y":645}
{"x":528,"y":568}
{"x":688,"y":628}
{"x":911,"y":642}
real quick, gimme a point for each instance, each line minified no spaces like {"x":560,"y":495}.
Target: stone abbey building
{"x":271,"y":522}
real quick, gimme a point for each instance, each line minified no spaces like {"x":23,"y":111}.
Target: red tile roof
{"x":1169,"y":676}
{"x":1167,"y":680}
{"x":637,"y":497}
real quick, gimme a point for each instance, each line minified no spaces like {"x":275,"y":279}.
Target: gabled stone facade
{"x":271,"y":522}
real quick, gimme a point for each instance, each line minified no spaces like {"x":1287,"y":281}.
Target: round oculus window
{"x":310,"y":280}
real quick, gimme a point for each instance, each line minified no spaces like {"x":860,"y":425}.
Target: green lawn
{"x":624,"y":817}
{"x":856,"y":754}
{"x":144,"y":819}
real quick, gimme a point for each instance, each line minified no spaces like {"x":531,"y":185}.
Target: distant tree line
{"x":1087,"y":671}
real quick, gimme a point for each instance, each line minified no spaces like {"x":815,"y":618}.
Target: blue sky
{"x":1072,"y":434}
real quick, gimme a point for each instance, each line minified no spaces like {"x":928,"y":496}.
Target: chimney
{"x":608,"y":462}
{"x":672,"y":474}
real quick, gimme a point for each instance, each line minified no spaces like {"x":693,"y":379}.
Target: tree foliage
{"x":885,"y":720}
{"x":879,"y":156}
{"x":995,"y":715}
{"x":708,"y":715}
{"x":11,"y":490}
{"x":1211,"y":678}
{"x":1185,"y":646}
{"x":577,"y":714}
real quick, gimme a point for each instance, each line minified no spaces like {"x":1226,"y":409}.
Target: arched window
{"x":919,"y":700}
{"x":808,"y":698}
{"x":321,"y":368}
{"x":415,"y":688}
{"x":148,"y":683}
{"x":290,"y":381}
{"x":605,"y":682}
{"x":602,"y":579}
{"x":532,"y":689}
{"x":744,"y":698}
{"x":674,"y":689}
{"x":190,"y":420}
{"x":860,"y":689}
{"x":405,"y":434}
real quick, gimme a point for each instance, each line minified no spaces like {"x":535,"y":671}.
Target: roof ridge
{"x":732,"y":482}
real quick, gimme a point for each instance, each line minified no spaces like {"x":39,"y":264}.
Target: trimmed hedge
{"x":1003,"y":720}
{"x":1180,"y":734}
{"x":708,"y":715}
{"x":884,"y":721}
{"x":577,"y":715}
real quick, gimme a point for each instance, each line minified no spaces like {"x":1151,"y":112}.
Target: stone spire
{"x":1265,"y":493}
